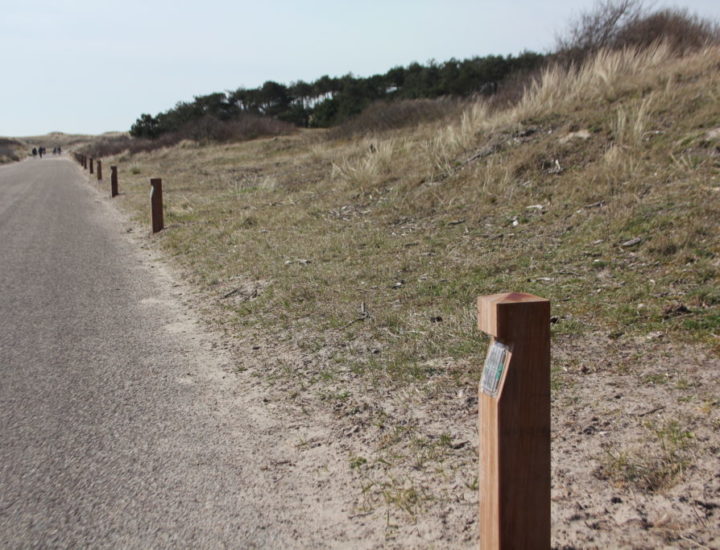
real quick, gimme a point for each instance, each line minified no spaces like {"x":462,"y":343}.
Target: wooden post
{"x":156,"y":205}
{"x":99,"y":170}
{"x":113,"y":182}
{"x":514,"y":423}
{"x":91,"y":165}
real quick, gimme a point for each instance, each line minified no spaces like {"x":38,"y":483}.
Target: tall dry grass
{"x":607,"y":77}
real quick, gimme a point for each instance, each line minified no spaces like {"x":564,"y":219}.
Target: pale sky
{"x":90,"y":66}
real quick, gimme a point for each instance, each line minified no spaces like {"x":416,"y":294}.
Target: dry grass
{"x":416,"y":224}
{"x":599,"y":191}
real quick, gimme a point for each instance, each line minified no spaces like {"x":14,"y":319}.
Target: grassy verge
{"x":604,"y":204}
{"x":599,"y":191}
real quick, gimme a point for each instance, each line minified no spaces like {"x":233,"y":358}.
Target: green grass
{"x":658,"y":465}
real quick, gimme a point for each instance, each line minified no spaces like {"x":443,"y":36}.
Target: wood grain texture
{"x":514,"y":427}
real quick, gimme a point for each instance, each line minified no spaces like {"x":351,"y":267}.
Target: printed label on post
{"x":493,"y":369}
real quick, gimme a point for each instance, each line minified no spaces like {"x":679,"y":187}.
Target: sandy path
{"x":124,"y":423}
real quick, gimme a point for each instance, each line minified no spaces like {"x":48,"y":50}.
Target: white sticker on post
{"x":493,"y":369}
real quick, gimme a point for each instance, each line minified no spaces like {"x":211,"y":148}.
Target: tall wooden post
{"x":91,"y":165}
{"x":514,"y":423}
{"x":99,"y":170}
{"x":156,"y":205}
{"x":113,"y":182}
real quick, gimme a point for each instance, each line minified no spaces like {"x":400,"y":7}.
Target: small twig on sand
{"x":231,"y":293}
{"x":700,"y":545}
{"x":363,"y":315}
{"x":253,"y":294}
{"x":656,"y":409}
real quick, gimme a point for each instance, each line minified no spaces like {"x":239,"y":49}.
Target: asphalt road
{"x":119,"y":423}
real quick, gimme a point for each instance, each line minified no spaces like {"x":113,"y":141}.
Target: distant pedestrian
{"x":34,"y":152}
{"x":41,"y":150}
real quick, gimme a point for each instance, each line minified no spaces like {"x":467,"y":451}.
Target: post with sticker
{"x":514,"y":422}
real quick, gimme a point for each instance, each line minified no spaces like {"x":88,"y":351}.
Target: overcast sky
{"x":90,"y":66}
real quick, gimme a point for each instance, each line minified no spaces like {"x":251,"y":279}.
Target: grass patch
{"x":656,"y":467}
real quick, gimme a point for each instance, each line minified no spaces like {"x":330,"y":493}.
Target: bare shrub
{"x":682,"y":30}
{"x":598,"y":28}
{"x":617,"y":24}
{"x":382,"y":116}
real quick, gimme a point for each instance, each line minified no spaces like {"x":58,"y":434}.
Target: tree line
{"x":329,"y":101}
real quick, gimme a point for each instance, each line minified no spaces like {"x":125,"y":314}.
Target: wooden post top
{"x":511,"y":314}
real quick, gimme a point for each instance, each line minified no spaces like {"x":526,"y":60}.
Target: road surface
{"x":122,"y":423}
